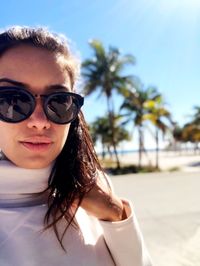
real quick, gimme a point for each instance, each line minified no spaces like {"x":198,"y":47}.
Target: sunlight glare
{"x":188,"y":5}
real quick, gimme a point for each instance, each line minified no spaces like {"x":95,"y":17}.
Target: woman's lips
{"x":37,"y":147}
{"x":37,"y":144}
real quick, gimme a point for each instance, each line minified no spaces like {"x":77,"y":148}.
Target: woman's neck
{"x":16,"y":180}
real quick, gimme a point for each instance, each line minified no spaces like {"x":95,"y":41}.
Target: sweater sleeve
{"x":125,"y":241}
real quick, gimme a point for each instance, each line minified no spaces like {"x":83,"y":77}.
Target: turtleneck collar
{"x":16,"y":180}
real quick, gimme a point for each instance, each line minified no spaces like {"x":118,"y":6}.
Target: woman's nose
{"x":38,"y":119}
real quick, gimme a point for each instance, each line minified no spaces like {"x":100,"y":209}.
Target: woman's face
{"x":36,"y":141}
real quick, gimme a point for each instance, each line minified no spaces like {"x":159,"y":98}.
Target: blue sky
{"x":163,"y":35}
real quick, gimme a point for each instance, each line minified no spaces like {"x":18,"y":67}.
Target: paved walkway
{"x":168,"y":209}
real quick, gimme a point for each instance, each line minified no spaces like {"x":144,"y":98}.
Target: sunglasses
{"x":17,"y":104}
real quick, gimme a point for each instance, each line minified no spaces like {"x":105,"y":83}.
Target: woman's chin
{"x":32,"y":164}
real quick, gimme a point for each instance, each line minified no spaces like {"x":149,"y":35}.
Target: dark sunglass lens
{"x":62,"y":108}
{"x":15,"y":106}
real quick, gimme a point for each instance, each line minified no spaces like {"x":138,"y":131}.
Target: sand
{"x":168,"y":160}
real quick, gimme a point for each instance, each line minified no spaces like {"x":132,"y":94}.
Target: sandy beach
{"x":168,"y":160}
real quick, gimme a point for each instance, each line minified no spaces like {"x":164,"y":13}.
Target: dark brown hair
{"x":75,"y":169}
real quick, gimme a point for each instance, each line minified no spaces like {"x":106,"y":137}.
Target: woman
{"x":56,"y":205}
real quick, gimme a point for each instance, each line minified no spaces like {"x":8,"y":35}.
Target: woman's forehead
{"x":35,"y":66}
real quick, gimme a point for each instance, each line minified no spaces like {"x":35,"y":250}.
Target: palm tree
{"x":177,"y":134}
{"x":191,"y":133}
{"x":160,"y":117}
{"x":196,"y":116}
{"x":135,"y":103}
{"x":104,"y":73}
{"x":191,"y":130}
{"x":100,"y":130}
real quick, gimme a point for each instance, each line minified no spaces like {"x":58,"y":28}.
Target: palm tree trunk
{"x":157,"y":149}
{"x":116,"y":156}
{"x":140,"y":147}
{"x":103,"y":151}
{"x":111,"y":119}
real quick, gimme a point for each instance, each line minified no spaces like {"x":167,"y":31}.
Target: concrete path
{"x":168,"y":209}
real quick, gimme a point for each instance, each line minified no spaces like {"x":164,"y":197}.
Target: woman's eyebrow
{"x":57,"y":87}
{"x":14,"y":82}
{"x":24,"y":85}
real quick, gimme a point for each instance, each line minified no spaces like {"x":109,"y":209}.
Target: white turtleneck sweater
{"x":24,"y":243}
